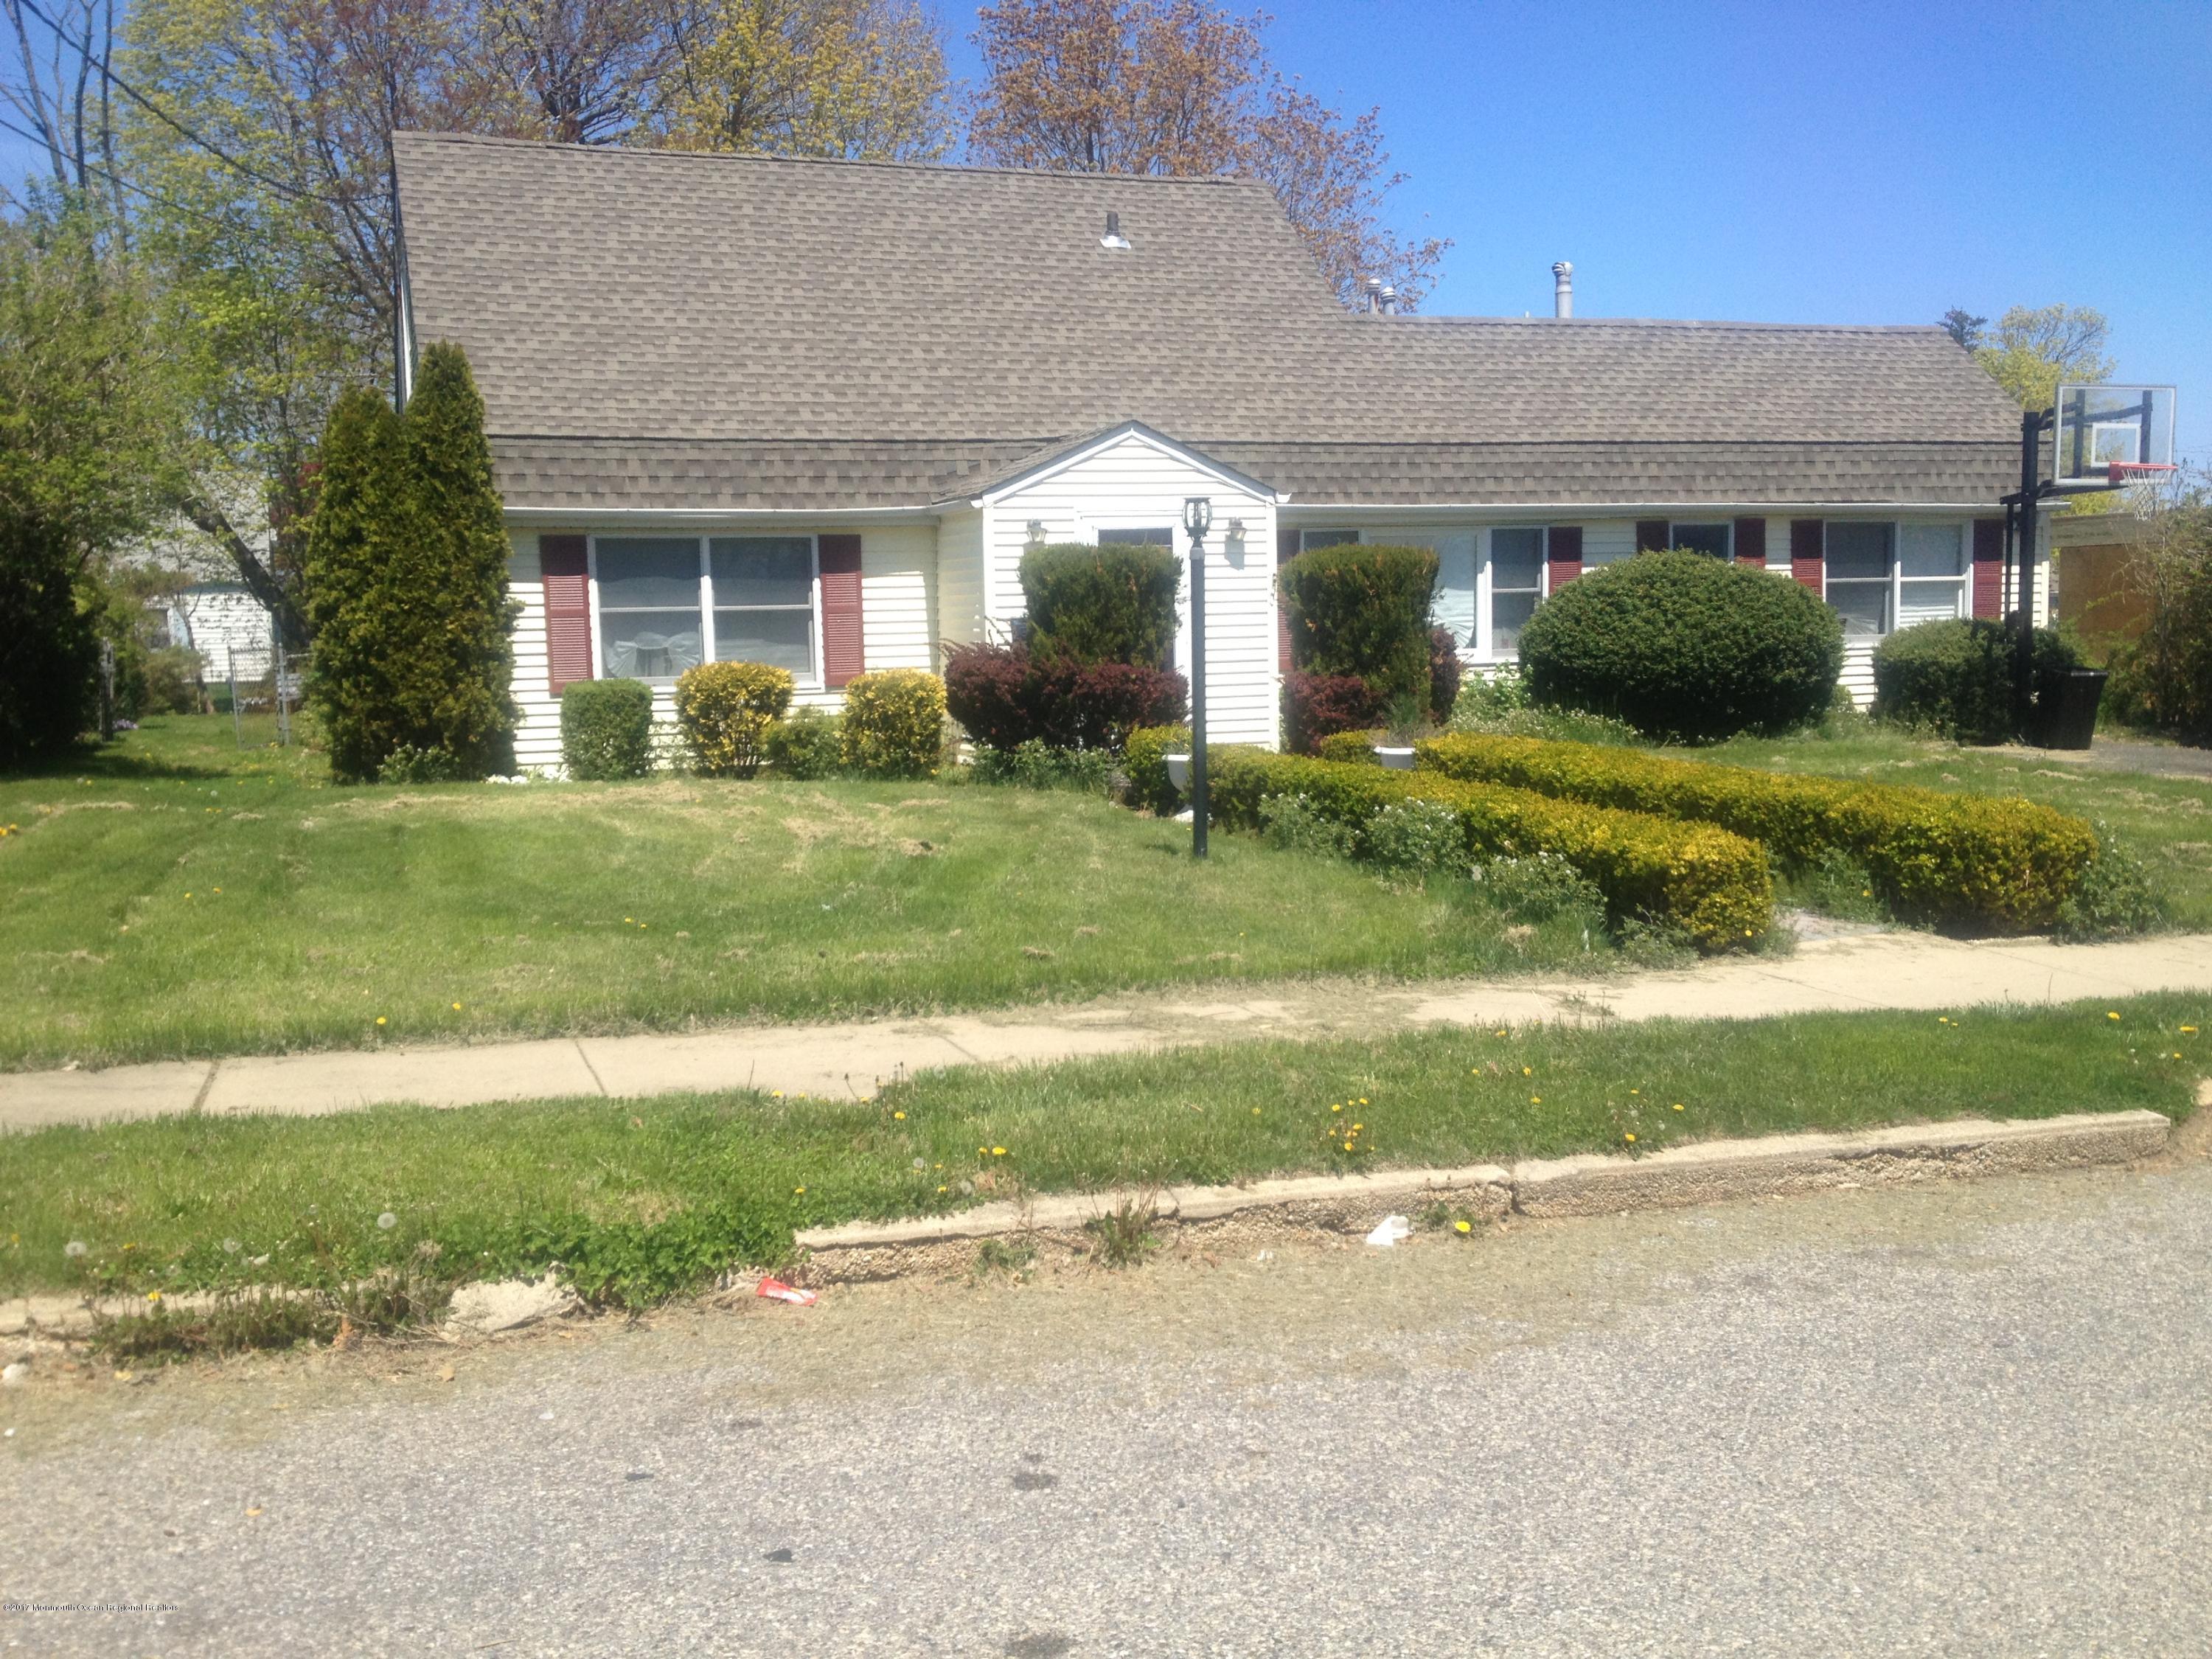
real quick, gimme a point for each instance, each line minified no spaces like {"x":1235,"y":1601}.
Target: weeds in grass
{"x":1837,"y":885}
{"x":2113,"y":897}
{"x":1004,"y":1255}
{"x":231,"y":1323}
{"x":1123,"y":1236}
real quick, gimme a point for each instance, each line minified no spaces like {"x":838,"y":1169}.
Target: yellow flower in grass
{"x":899,"y":1116}
{"x":997,"y":1151}
{"x":797,"y":1191}
{"x":2114,"y":1014}
{"x":2188,"y":1030}
{"x":1255,"y":1111}
{"x":1461,"y":1226}
{"x":379,"y":1019}
{"x":1630,"y":1137}
{"x":1336,"y":1108}
{"x":1678,"y":1105}
{"x":1535,"y":1100}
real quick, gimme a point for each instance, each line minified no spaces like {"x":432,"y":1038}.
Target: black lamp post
{"x":1197,"y":518}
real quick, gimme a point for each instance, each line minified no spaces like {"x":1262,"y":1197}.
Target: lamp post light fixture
{"x":1197,"y":520}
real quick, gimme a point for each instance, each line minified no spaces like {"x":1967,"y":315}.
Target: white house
{"x":811,"y":413}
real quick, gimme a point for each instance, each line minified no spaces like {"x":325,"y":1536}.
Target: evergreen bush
{"x":806,"y":747}
{"x":606,"y":729}
{"x":1114,"y":602}
{"x":725,"y":709}
{"x":1955,"y":677}
{"x":1685,"y":646}
{"x":406,"y":569}
{"x":1363,"y":611}
{"x":893,"y":725}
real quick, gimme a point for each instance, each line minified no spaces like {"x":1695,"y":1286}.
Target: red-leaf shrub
{"x":1317,"y":706}
{"x":1444,"y":674}
{"x":1004,"y":698}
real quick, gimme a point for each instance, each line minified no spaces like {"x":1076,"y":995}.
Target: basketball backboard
{"x":2104,"y":427}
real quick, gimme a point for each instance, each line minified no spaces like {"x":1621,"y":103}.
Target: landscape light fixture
{"x":1197,"y":520}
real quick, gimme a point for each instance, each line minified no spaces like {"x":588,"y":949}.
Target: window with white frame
{"x":670,"y":603}
{"x":1931,"y":573}
{"x":1516,"y":582}
{"x":1881,"y":577}
{"x":1312,"y":539}
{"x":1716,"y":539}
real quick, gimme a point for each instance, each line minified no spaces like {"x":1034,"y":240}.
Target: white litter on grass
{"x":14,"y":1376}
{"x":1393,"y":1230}
{"x":545,"y":1417}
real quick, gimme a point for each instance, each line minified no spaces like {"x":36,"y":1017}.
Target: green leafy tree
{"x":2035,"y":347}
{"x":81,"y":415}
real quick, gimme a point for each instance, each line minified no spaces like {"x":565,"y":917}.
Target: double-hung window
{"x":1881,"y":577}
{"x":1516,"y":582}
{"x":1860,"y":565}
{"x":670,"y":603}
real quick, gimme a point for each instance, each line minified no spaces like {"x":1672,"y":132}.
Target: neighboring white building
{"x":226,"y":625}
{"x":812,"y":412}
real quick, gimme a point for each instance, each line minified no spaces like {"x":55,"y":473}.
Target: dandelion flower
{"x":941,"y":1189}
{"x":153,"y":1295}
{"x":1635,"y":1091}
{"x":1630,"y":1135}
{"x":2188,"y":1030}
{"x":1336,"y":1108}
{"x":379,"y":1019}
{"x":775,"y":1094}
{"x":798,"y":1191}
{"x":1461,"y":1226}
{"x":386,"y":1222}
{"x":75,"y":1248}
{"x":457,"y":1007}
{"x":1255,"y":1111}
{"x":899,"y":1116}
{"x":1535,"y":1100}
{"x":2114,"y":1014}
{"x":1678,"y":1105}
{"x":997,"y":1151}
{"x":1362,"y":1100}
{"x":1527,"y":1071}
{"x":921,"y":1163}
{"x":1356,"y":1127}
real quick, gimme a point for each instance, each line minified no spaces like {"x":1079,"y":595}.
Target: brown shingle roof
{"x":881,"y":328}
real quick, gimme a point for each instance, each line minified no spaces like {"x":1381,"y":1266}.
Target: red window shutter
{"x":566,"y":573}
{"x":1564,"y":549}
{"x":1988,"y":567}
{"x":1750,"y":541}
{"x":1286,"y":549}
{"x":1808,"y":553}
{"x":844,"y":655}
{"x":1651,"y":535}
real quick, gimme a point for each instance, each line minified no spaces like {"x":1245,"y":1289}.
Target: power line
{"x":119,"y":180}
{"x":99,"y":62}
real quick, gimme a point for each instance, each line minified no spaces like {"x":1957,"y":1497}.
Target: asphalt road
{"x":1957,"y":1420}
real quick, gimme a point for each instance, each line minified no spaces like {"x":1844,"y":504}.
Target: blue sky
{"x":1855,"y":161}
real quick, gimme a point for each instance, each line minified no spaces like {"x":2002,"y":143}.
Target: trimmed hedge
{"x":1364,"y":611}
{"x":894,"y":724}
{"x":606,"y":729}
{"x":725,"y":709}
{"x":1956,"y":859}
{"x":1713,"y":884}
{"x":1114,"y":602}
{"x":1955,"y":677}
{"x":1004,"y":697}
{"x":1144,"y":760}
{"x":808,"y":745}
{"x":1684,"y":646}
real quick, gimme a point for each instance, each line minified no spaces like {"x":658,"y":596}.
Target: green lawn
{"x":638,"y":1199}
{"x":2167,"y":822}
{"x":180,"y":897}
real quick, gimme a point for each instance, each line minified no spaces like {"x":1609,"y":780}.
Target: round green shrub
{"x":606,"y":729}
{"x":724,"y":710}
{"x":1685,"y":646}
{"x":1955,"y":677}
{"x":1112,"y":603}
{"x":1363,"y":612}
{"x":807,"y":746}
{"x":893,"y":725}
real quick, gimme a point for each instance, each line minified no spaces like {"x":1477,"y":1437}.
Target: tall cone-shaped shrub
{"x":407,"y":584}
{"x":362,"y":515}
{"x":457,"y":661}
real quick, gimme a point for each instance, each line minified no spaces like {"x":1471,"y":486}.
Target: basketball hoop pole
{"x":2033,"y":425}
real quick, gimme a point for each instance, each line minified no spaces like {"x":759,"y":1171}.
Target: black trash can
{"x":2066,"y":702}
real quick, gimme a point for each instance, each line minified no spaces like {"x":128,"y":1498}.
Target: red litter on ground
{"x":779,"y":1291}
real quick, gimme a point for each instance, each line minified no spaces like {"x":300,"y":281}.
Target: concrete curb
{"x":1588,"y":1184}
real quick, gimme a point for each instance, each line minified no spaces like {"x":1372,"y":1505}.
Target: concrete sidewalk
{"x":1885,"y":970}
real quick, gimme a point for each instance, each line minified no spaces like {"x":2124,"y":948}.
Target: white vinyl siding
{"x":1134,"y":484}
{"x":960,"y":575}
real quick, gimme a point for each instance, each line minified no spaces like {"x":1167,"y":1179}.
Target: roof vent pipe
{"x":1389,"y":299}
{"x":1113,"y":237}
{"x":1373,"y":287}
{"x":1562,"y":289}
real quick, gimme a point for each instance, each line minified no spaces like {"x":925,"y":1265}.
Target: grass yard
{"x":180,"y":896}
{"x":640,"y":1200}
{"x":2165,"y":821}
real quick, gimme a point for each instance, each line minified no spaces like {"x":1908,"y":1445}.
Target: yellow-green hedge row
{"x":1714,"y":885}
{"x":1959,"y":859}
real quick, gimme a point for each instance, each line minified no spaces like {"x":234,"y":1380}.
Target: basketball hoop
{"x":2117,"y":473}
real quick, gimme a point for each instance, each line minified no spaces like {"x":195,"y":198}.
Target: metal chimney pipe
{"x":1373,"y":286}
{"x":1389,"y":300}
{"x":1562,"y":289}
